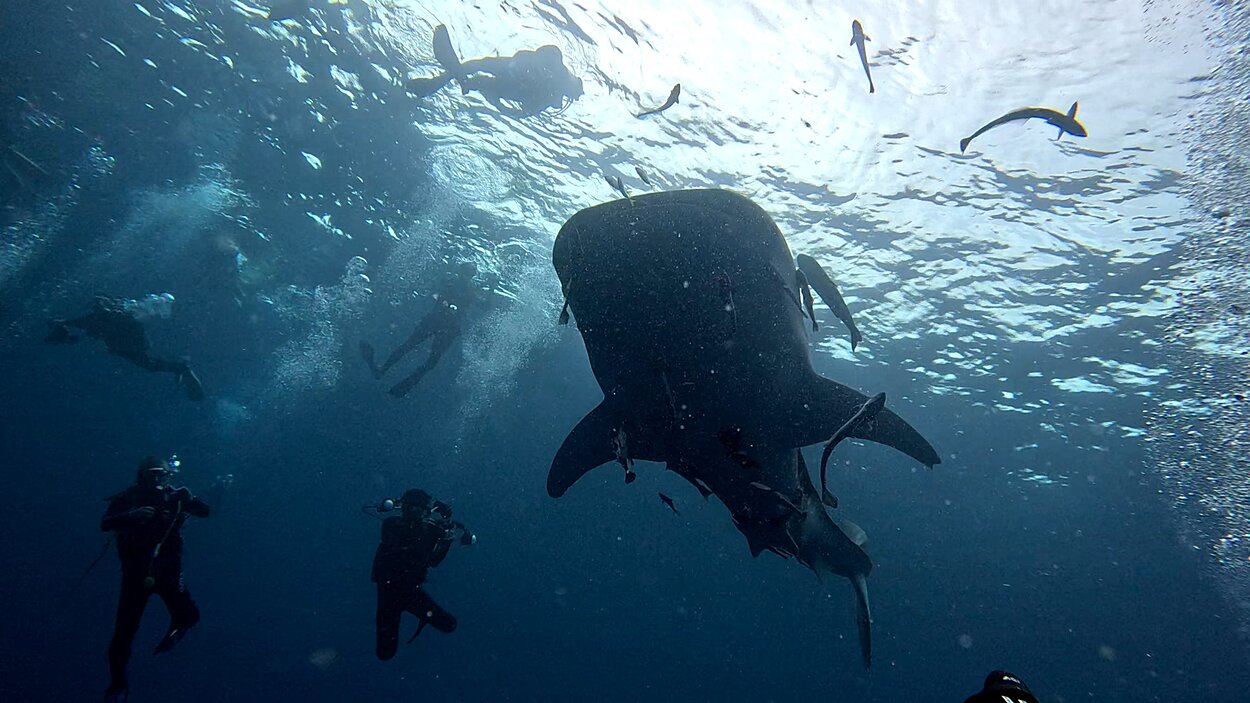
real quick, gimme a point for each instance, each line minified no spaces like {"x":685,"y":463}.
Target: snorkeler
{"x":524,"y":84}
{"x":119,"y":325}
{"x":412,"y":544}
{"x":146,"y":519}
{"x":441,"y":325}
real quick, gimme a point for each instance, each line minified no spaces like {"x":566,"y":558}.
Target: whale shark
{"x":688,"y":307}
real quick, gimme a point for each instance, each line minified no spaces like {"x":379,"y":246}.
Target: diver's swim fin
{"x":191,"y":384}
{"x":446,"y":53}
{"x":170,"y":640}
{"x":421,"y":623}
{"x":425,"y":87}
{"x":366,"y":350}
{"x":58,"y":333}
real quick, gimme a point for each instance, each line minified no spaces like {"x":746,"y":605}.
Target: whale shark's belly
{"x":684,"y":298}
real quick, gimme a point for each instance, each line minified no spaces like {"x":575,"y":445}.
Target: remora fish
{"x":866,"y":413}
{"x":619,"y":185}
{"x":643,"y":175}
{"x":857,"y":40}
{"x":672,"y":100}
{"x":1066,"y":123}
{"x":815,"y":275}
{"x":669,"y":502}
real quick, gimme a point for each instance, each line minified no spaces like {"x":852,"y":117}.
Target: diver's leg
{"x":419,"y":335}
{"x":442,"y":341}
{"x":130,"y":605}
{"x":390,"y":608}
{"x":183,"y":612}
{"x":426,"y":610}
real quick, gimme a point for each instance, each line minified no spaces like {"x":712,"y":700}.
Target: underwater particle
{"x":1106,"y":652}
{"x":562,"y":591}
{"x":965,"y":641}
{"x":323,"y":657}
{"x":312,"y":160}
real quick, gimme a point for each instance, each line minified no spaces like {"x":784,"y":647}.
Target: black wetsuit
{"x":442,"y":325}
{"x":410,"y":547}
{"x":137,"y":540}
{"x":123,"y":335}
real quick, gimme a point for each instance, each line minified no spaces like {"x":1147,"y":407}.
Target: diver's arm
{"x":190,"y":504}
{"x":119,"y":517}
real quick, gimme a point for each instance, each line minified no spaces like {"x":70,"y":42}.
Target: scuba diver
{"x":523,"y":85}
{"x":146,"y":520}
{"x":441,"y":325}
{"x":119,"y":324}
{"x":412,"y":543}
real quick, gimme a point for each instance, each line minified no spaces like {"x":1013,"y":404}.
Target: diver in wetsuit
{"x":524,"y":84}
{"x":411,"y":545}
{"x":119,"y":326}
{"x":441,"y":325}
{"x":146,"y":520}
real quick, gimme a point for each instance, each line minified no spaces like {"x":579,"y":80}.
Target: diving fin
{"x":446,"y":53}
{"x":421,"y":623}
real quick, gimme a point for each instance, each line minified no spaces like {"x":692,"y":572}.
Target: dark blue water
{"x":1080,"y":587}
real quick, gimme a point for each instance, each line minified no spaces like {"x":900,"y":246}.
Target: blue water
{"x":1018,"y":304}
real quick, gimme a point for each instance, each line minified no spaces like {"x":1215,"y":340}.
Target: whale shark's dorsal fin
{"x":818,"y":406}
{"x":1072,"y":114}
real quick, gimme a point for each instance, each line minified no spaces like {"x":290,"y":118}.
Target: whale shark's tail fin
{"x":1072,"y":114}
{"x":589,"y":445}
{"x":821,"y":406}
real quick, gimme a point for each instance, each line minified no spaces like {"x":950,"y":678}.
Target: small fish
{"x":564,"y":311}
{"x":643,"y":175}
{"x":1066,"y":123}
{"x":857,"y":40}
{"x":669,"y":502}
{"x":866,"y":413}
{"x":620,"y":447}
{"x":619,"y":185}
{"x":672,"y":100}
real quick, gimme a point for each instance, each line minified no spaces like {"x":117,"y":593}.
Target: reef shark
{"x":687,"y":305}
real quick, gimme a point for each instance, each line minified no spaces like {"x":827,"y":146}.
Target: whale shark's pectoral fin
{"x":821,"y":405}
{"x":588,"y":446}
{"x":828,"y":290}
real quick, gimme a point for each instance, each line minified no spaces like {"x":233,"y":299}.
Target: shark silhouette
{"x":689,"y":305}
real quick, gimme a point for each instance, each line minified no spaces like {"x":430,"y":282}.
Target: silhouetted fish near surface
{"x":673,"y":96}
{"x":669,"y":502}
{"x":619,"y":185}
{"x":1065,"y":122}
{"x":865,"y":414}
{"x":857,"y":40}
{"x":643,"y":175}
